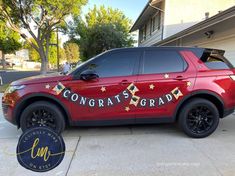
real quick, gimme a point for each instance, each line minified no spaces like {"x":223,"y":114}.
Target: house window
{"x":156,"y":22}
{"x":153,"y":23}
{"x":144,"y":31}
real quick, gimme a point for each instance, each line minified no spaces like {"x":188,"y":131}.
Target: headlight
{"x":12,"y":89}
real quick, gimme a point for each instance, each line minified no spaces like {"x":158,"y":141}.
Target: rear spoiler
{"x":217,"y":53}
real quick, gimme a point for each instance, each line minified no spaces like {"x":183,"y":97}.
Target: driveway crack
{"x":73,"y":156}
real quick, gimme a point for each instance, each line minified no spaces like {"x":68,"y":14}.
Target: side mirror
{"x":88,"y":75}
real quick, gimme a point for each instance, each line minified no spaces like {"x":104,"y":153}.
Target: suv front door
{"x":105,"y":98}
{"x":165,"y":77}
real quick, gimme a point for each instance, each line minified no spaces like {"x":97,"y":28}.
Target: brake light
{"x":232,"y":77}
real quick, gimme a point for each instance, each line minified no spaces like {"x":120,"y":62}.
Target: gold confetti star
{"x":47,"y":86}
{"x":151,"y":86}
{"x":103,"y":89}
{"x":166,"y":76}
{"x":189,"y":83}
{"x":127,"y":109}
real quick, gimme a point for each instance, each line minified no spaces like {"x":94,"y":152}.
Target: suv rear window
{"x":214,"y":59}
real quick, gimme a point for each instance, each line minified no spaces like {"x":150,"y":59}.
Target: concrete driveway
{"x":153,"y":150}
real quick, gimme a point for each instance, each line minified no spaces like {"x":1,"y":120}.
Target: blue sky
{"x":131,"y":8}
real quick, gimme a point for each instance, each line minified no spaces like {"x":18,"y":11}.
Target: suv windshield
{"x":75,"y":70}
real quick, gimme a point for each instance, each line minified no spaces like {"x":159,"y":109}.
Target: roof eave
{"x":134,"y":27}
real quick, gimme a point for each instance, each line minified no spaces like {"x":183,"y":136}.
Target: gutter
{"x":145,"y":8}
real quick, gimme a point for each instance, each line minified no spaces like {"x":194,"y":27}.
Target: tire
{"x":42,"y":113}
{"x":198,"y":118}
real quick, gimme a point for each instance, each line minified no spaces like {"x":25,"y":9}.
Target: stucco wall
{"x":181,"y":14}
{"x":223,"y":38}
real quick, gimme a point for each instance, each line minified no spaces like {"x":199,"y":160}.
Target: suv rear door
{"x":165,"y":78}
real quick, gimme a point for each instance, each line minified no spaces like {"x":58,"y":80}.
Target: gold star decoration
{"x":151,"y":86}
{"x":103,"y":89}
{"x":189,"y":83}
{"x":127,"y":109}
{"x":47,"y":86}
{"x":166,"y":76}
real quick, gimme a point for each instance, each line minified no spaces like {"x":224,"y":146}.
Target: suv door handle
{"x":125,"y":82}
{"x":179,"y":78}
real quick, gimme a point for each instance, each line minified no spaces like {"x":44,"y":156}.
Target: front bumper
{"x":7,"y":108}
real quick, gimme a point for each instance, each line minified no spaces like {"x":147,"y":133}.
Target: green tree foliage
{"x":62,"y":55}
{"x":52,"y":55}
{"x":71,"y":51}
{"x":37,"y":19}
{"x":33,"y":54}
{"x":9,"y":41}
{"x":103,"y":29}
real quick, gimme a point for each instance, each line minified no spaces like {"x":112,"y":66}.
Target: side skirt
{"x":122,"y":122}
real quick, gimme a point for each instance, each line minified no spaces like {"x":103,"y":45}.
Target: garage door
{"x":226,"y":44}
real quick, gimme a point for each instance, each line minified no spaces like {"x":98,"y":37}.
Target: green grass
{"x":3,"y":88}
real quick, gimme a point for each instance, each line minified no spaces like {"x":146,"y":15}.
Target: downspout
{"x":162,"y":11}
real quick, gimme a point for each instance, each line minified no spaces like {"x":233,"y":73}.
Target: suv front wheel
{"x":42,"y":113}
{"x":199,"y":118}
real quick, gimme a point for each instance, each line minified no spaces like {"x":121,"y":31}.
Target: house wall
{"x":223,"y":38}
{"x":181,"y":14}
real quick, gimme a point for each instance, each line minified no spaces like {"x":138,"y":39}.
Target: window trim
{"x":143,"y":58}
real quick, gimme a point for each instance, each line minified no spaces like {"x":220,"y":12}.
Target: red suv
{"x":194,"y":86}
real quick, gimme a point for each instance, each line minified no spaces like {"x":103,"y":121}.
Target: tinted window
{"x":163,"y":62}
{"x":114,"y":64}
{"x":214,"y":59}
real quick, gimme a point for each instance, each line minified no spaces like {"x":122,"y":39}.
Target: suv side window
{"x":160,"y":61}
{"x":115,"y":64}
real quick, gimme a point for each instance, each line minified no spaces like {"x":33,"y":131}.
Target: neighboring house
{"x":188,"y":23}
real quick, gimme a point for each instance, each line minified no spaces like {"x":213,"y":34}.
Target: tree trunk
{"x":44,"y":54}
{"x":3,"y":61}
{"x":44,"y":66}
{"x":44,"y":61}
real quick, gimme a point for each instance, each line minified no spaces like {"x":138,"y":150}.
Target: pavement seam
{"x":73,"y":156}
{"x":208,"y":157}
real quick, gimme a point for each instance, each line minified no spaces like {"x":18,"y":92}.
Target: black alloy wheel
{"x":198,"y":118}
{"x":42,"y":114}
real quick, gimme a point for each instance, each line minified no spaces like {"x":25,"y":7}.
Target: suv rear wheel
{"x":199,"y":118}
{"x":42,"y":113}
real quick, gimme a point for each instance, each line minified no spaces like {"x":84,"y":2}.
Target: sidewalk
{"x":134,"y":151}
